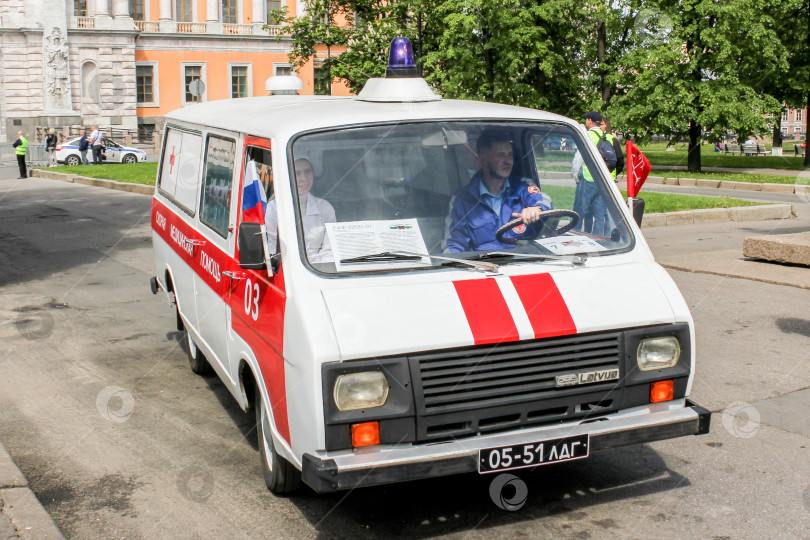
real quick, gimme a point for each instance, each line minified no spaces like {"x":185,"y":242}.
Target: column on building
{"x":257,"y":15}
{"x":121,"y":9}
{"x":211,"y":11}
{"x":102,"y":8}
{"x":165,"y":10}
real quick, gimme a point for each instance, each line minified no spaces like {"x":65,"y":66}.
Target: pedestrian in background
{"x":21,"y":149}
{"x":96,"y":141}
{"x":83,"y":146}
{"x":50,"y":147}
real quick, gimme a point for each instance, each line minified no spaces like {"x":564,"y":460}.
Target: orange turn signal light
{"x":662,"y":391}
{"x":365,"y":434}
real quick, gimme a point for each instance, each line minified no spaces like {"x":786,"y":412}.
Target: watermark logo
{"x":115,"y":404}
{"x":508,"y":492}
{"x":34,"y":325}
{"x":741,"y":420}
{"x":195,"y":484}
{"x":652,"y":26}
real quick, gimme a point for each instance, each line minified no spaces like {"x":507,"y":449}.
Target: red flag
{"x":638,"y":169}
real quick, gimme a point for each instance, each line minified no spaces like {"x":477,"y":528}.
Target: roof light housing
{"x":401,"y":61}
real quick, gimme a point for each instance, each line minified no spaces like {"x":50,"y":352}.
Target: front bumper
{"x":375,"y":465}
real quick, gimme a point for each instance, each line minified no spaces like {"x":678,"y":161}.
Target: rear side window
{"x":180,"y":172}
{"x":215,"y":208}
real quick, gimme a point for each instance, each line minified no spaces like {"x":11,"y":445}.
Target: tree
{"x":701,"y":70}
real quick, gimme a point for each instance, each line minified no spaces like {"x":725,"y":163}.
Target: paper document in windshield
{"x":352,"y":239}
{"x":568,"y":245}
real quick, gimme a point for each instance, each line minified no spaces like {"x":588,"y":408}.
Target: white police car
{"x":68,"y":153}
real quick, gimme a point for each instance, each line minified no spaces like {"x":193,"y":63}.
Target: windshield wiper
{"x":573,"y":259}
{"x":492,"y":267}
{"x":385,"y":256}
{"x":398,"y":256}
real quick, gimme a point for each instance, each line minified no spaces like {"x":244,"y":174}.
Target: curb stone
{"x":97,"y":182}
{"x":711,"y":215}
{"x":20,"y":510}
{"x":717,"y":215}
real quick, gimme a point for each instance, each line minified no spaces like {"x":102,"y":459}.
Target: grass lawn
{"x":669,"y":202}
{"x":737,"y":177}
{"x":134,"y":173}
{"x":712,"y":159}
{"x":563,"y":197}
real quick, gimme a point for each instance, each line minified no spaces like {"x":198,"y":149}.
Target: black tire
{"x":196,"y":359}
{"x":129,"y":158}
{"x":72,"y":160}
{"x":280,"y":475}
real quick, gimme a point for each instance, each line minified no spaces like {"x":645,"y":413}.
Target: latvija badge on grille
{"x":573,"y":379}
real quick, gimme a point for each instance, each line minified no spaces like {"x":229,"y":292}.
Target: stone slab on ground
{"x":782,"y":248}
{"x":26,"y":513}
{"x":10,"y":475}
{"x":689,"y":182}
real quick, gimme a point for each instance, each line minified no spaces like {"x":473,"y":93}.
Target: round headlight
{"x":361,"y":390}
{"x":658,"y":353}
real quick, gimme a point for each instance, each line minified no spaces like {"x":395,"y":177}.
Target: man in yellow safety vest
{"x":21,"y":149}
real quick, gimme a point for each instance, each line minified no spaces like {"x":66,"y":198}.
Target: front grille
{"x":503,"y":386}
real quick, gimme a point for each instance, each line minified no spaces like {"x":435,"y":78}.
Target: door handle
{"x":234,"y":275}
{"x":194,"y":242}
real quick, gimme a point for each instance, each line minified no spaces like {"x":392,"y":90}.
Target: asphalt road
{"x":119,"y":439}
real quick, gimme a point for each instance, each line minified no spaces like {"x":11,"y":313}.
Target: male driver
{"x":493,"y":198}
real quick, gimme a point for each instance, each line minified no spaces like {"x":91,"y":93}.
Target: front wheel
{"x":72,"y":160}
{"x":280,"y":475}
{"x":129,"y":158}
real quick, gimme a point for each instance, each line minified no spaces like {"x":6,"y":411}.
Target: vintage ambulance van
{"x":378,"y":325}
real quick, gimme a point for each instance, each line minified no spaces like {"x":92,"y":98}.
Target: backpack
{"x":605,"y":148}
{"x":617,"y":147}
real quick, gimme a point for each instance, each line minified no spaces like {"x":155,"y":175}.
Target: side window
{"x":264,"y":167}
{"x":215,"y":208}
{"x":180,"y":172}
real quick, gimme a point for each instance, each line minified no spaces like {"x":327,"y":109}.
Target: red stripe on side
{"x":486,"y":310}
{"x":544,"y":305}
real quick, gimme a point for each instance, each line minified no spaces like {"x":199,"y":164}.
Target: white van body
{"x":440,"y":333}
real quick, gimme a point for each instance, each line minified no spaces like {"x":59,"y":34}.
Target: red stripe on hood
{"x":486,"y":310}
{"x":544,"y":305}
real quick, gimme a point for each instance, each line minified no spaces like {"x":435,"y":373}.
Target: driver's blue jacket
{"x":472,"y":224}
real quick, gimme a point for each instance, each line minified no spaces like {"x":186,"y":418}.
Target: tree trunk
{"x":777,"y":131}
{"x":693,"y":152}
{"x":601,"y":47}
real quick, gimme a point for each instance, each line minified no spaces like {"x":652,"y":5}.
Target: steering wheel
{"x":539,"y":225}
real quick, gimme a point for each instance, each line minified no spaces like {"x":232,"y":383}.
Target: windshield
{"x":389,"y":197}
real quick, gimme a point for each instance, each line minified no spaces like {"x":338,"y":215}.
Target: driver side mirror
{"x":251,"y":247}
{"x":638,"y":210}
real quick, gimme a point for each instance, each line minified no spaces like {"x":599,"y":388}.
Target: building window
{"x":136,"y":9}
{"x":282,"y":69}
{"x":273,"y":5}
{"x":182,"y":11}
{"x":146,"y":84}
{"x":785,"y":115}
{"x":80,"y":8}
{"x":230,"y":12}
{"x":193,"y":93}
{"x":798,"y":115}
{"x":215,"y":210}
{"x":239,"y":81}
